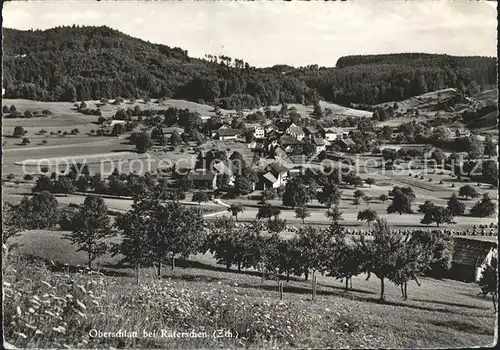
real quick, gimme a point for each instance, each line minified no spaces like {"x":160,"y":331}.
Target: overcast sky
{"x":269,"y":33}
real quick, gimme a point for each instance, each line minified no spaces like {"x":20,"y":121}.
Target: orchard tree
{"x":296,"y":193}
{"x":173,"y":229}
{"x":65,"y":185}
{"x":438,"y":155}
{"x":435,"y":214}
{"x":91,"y":226}
{"x":235,"y":209}
{"x":344,"y":260}
{"x":226,"y":243}
{"x":12,"y":222}
{"x":244,"y":181}
{"x":402,"y":198}
{"x":287,"y":257}
{"x":490,"y":148}
{"x":143,"y":142}
{"x":489,"y":281}
{"x":380,"y":254}
{"x":367,"y":215}
{"x":43,"y":183}
{"x":264,"y":212}
{"x":41,"y":211}
{"x":370,"y":181}
{"x":200,"y":196}
{"x":383,"y":197}
{"x":313,"y":247}
{"x":302,"y":213}
{"x":135,"y":246}
{"x":330,"y":194}
{"x":358,"y":194}
{"x":484,"y":207}
{"x":334,"y":214}
{"x":18,"y":131}
{"x":455,"y":206}
{"x":468,"y":191}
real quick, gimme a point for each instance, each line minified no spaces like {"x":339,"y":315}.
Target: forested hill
{"x":83,"y":63}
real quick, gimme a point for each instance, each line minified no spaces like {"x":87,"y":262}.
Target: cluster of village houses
{"x":272,"y":146}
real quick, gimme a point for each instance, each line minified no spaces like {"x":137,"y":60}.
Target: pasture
{"x":449,"y":313}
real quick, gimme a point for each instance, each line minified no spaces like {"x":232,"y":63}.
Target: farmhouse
{"x":203,"y":179}
{"x":295,"y":131}
{"x":320,"y":144}
{"x":167,"y":132}
{"x":228,"y":134}
{"x":288,"y":143}
{"x":258,"y":131}
{"x":332,"y":134}
{"x":257,"y":147}
{"x":113,"y":122}
{"x":470,"y":257}
{"x":311,"y":131}
{"x":460,"y":133}
{"x":274,"y":175}
{"x":346,"y":144}
{"x":221,"y":169}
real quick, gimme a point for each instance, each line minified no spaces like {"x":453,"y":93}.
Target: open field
{"x":337,"y":110}
{"x":423,"y":102}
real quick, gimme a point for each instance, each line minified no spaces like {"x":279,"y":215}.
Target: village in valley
{"x":284,"y":207}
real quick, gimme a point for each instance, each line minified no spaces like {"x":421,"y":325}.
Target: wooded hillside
{"x":83,"y":63}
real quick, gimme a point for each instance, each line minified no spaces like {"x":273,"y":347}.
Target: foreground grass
{"x":46,"y":306}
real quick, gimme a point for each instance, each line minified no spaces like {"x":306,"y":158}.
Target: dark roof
{"x":277,"y":167}
{"x":319,"y":141}
{"x":201,"y":175}
{"x":295,"y":129}
{"x":347,"y":142}
{"x":270,"y":177}
{"x":229,"y":132}
{"x":471,"y":252}
{"x":311,"y":130}
{"x":289,"y":140}
{"x":172,"y":129}
{"x":333,"y":130}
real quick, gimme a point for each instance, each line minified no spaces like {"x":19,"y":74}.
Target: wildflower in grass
{"x":81,"y":314}
{"x":31,"y":310}
{"x":82,"y":288}
{"x":59,"y":329}
{"x":80,"y":304}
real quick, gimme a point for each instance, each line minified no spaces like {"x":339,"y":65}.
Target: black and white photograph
{"x":249,"y":174}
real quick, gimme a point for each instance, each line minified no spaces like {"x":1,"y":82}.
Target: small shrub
{"x":28,"y":177}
